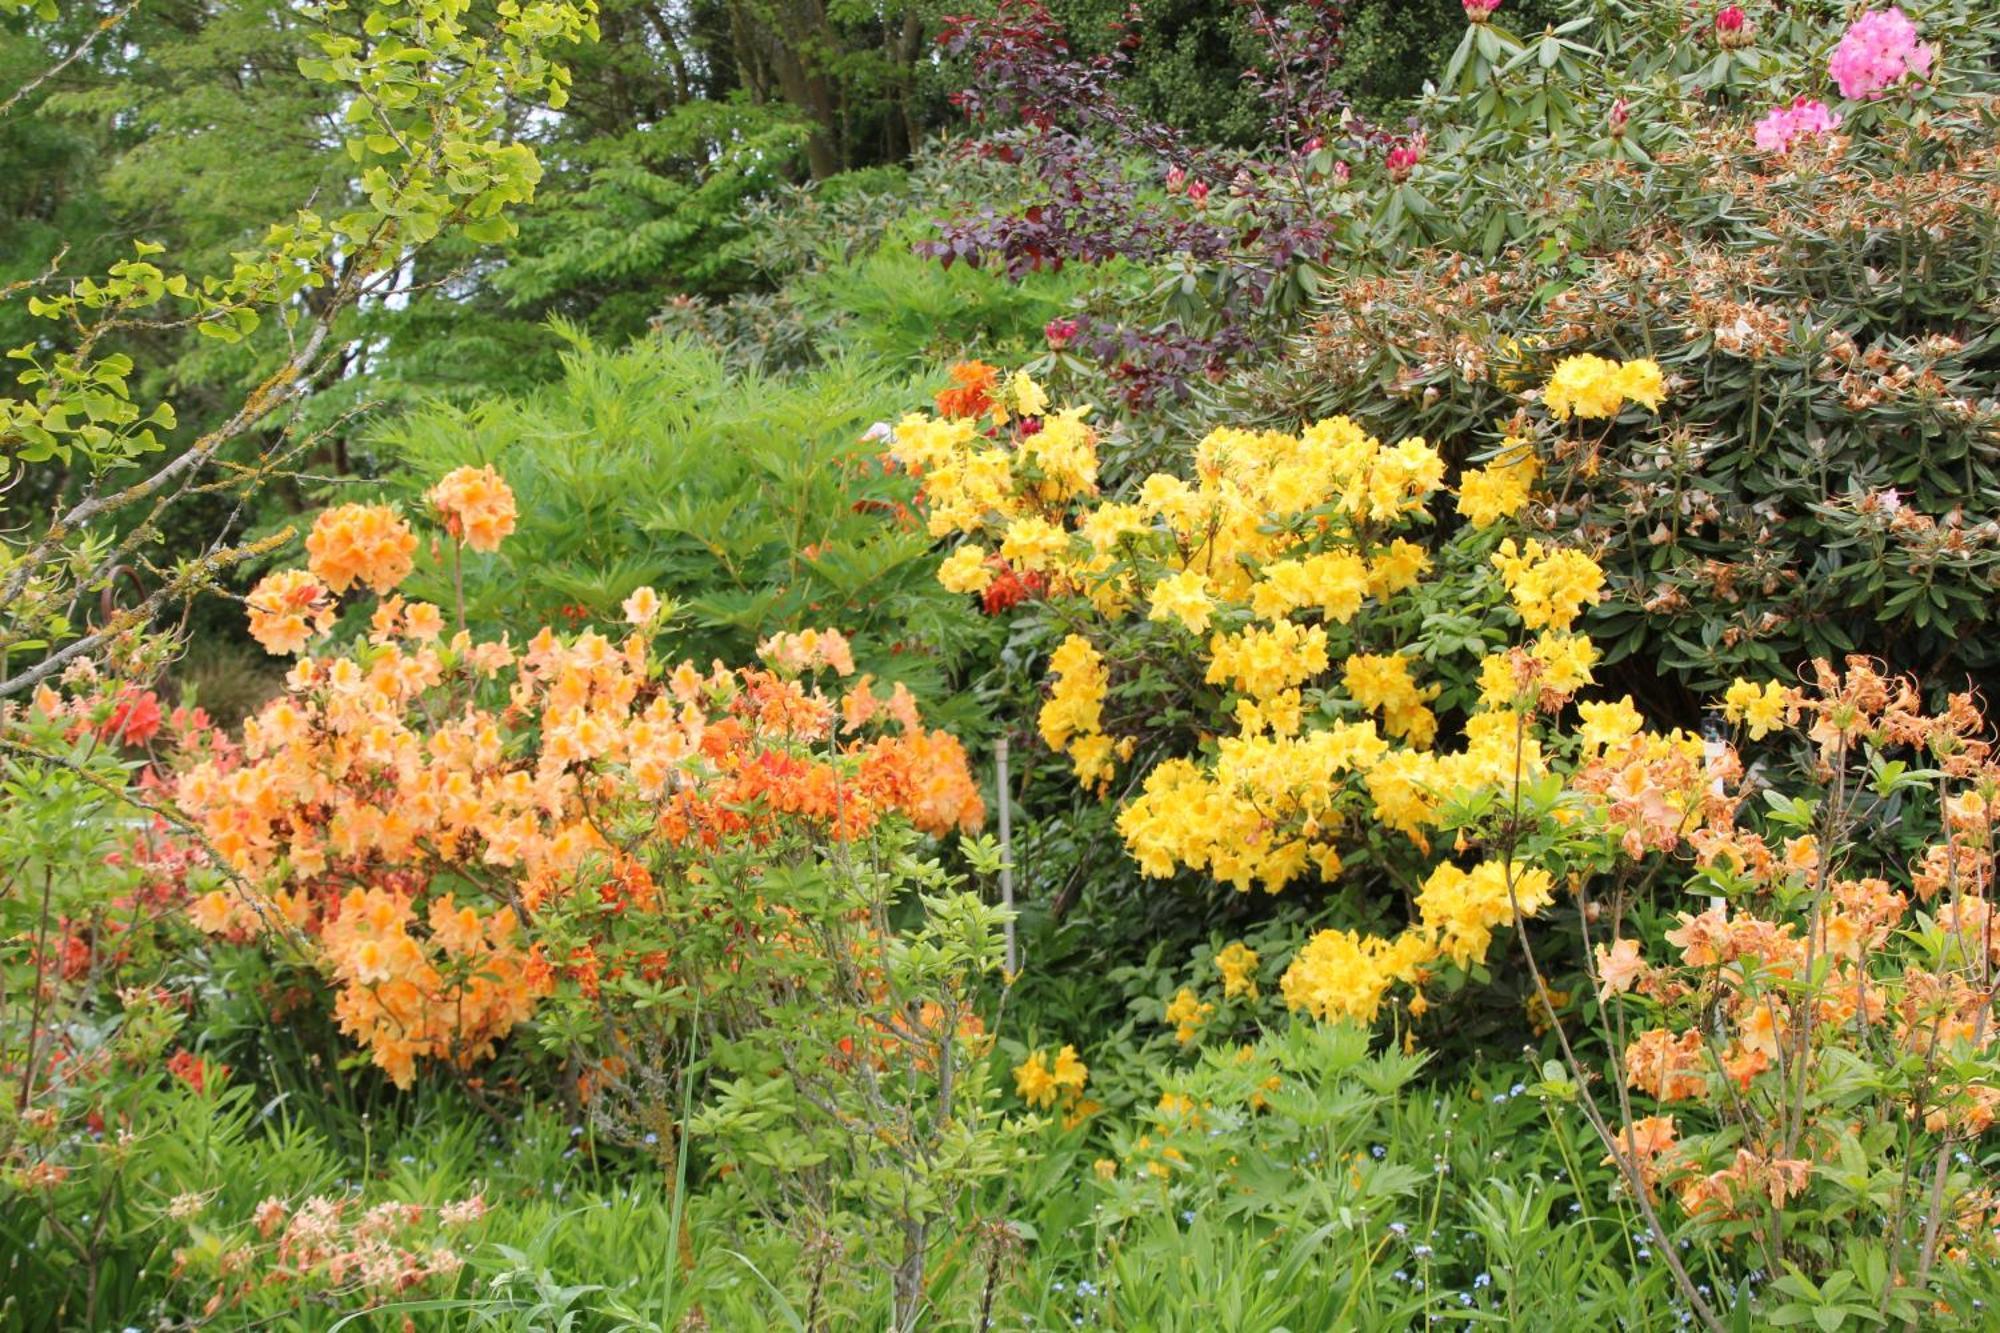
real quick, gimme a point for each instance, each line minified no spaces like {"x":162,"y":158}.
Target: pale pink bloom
{"x":1879,"y":52}
{"x":1776,"y":132}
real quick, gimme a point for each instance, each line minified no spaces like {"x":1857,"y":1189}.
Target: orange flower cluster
{"x":450,"y":996}
{"x":403,"y":768}
{"x":972,"y":390}
{"x":475,"y":505}
{"x":357,"y":543}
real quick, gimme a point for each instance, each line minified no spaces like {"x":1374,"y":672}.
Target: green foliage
{"x":422,"y":107}
{"x":751,"y":504}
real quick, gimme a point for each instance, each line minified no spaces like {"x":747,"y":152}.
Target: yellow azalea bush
{"x":1286,"y":583}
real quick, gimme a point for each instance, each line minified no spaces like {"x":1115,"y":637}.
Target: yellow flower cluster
{"x":1263,"y":662}
{"x":1043,"y":1083}
{"x":1762,"y":709}
{"x":1501,"y":488}
{"x":973,"y":480}
{"x":1072,"y":720}
{"x":1238,"y":965}
{"x":1342,"y":975}
{"x":1597,"y":388}
{"x":1382,"y":684}
{"x":1187,"y":1012}
{"x":1460,"y":908}
{"x":1550,"y":588}
{"x":966,"y":570}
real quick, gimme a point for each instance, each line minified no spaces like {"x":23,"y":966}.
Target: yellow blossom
{"x":966,"y":570}
{"x":1183,"y":597}
{"x":1763,"y":709}
{"x":1187,"y":1012}
{"x":1238,"y":965}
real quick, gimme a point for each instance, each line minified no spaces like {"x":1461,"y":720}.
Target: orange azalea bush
{"x":415,"y":806}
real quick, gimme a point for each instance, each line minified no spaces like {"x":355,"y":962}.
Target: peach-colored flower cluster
{"x":326,"y":1246}
{"x":1801,"y":978}
{"x":475,"y":505}
{"x":288,"y":610}
{"x":450,"y":995}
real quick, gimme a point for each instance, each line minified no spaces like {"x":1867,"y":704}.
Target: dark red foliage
{"x":1095,"y":166}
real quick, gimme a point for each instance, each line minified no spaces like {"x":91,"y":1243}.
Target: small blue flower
{"x":1399,"y":1228}
{"x":1057,"y":1285}
{"x":1378,"y":1152}
{"x":1188,"y":1217}
{"x":1422,"y":1251}
{"x":1483,"y":1280}
{"x":1465,"y":1298}
{"x":652,"y":1139}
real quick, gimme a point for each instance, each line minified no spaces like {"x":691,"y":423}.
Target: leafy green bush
{"x":752,"y":504}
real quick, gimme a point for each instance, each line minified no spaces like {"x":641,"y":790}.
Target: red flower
{"x":1009,"y":588}
{"x":192,"y":1070}
{"x":134,"y":718}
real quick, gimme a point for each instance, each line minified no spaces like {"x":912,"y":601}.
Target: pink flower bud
{"x":1478,"y":11}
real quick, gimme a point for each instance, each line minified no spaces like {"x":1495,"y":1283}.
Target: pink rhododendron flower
{"x":1877,"y":53}
{"x":1478,"y":11}
{"x":1776,"y":132}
